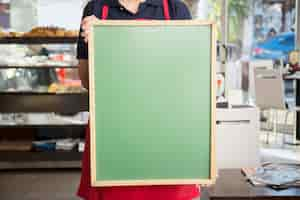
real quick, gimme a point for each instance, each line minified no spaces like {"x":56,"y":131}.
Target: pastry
{"x":53,"y":88}
{"x":15,"y":34}
{"x":73,"y":33}
{"x":59,"y":33}
{"x":3,"y":34}
{"x":49,"y":32}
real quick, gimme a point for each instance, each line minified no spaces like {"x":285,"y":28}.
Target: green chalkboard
{"x":152,"y":103}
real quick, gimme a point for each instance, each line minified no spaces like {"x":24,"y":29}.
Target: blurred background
{"x":43,"y":107}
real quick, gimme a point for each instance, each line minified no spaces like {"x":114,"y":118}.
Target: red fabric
{"x":180,"y":192}
{"x":166,"y":9}
{"x":104,"y":12}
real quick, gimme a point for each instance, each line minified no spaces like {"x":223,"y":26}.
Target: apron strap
{"x":166,"y":9}
{"x":105,"y":10}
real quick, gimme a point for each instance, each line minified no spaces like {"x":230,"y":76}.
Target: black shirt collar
{"x":115,"y":3}
{"x":154,"y":2}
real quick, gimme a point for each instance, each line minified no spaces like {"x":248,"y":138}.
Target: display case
{"x":43,"y":106}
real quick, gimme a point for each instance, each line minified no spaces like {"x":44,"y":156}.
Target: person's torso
{"x":148,"y":10}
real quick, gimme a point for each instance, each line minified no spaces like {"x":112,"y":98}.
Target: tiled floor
{"x":39,"y":185}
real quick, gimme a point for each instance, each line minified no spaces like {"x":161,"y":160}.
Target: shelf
{"x":30,"y":160}
{"x":21,"y":93}
{"x":37,"y":67}
{"x":12,"y":102}
{"x":40,"y":156}
{"x":39,"y":40}
{"x":42,"y":125}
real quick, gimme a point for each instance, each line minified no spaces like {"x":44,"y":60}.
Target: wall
{"x":298,"y":24}
{"x":62,"y":13}
{"x":26,"y":14}
{"x":23,"y":14}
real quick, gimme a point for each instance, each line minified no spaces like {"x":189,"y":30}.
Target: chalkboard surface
{"x":152,"y":102}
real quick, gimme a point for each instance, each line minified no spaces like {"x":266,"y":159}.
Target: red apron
{"x":87,"y":192}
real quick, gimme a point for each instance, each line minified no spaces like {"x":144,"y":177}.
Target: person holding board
{"x":126,"y":10}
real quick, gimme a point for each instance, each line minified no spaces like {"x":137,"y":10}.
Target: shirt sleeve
{"x":82,"y":47}
{"x":181,"y":11}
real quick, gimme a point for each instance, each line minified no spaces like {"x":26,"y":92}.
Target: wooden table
{"x":232,"y":185}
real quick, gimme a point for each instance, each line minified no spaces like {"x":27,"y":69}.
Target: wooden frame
{"x":212,"y":179}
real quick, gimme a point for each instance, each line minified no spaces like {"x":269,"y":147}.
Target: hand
{"x":86,"y":25}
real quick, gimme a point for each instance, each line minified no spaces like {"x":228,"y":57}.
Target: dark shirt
{"x":150,"y":9}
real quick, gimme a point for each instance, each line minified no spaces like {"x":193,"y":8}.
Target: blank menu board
{"x":152,"y":102}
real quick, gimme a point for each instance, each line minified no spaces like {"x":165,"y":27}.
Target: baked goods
{"x":3,"y":34}
{"x":59,"y":33}
{"x":62,"y":88}
{"x":10,"y":34}
{"x":15,"y":34}
{"x":50,"y":32}
{"x":53,"y":88}
{"x":42,"y":32}
{"x":71,"y":33}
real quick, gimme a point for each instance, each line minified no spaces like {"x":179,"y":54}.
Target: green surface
{"x":152,"y":94}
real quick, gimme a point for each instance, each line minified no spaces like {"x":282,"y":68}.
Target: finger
{"x":86,"y":31}
{"x":87,"y":26}
{"x":89,"y":22}
{"x":85,"y":37}
{"x":88,"y":19}
{"x":85,"y":34}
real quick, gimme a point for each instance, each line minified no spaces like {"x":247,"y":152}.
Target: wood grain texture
{"x":92,"y":107}
{"x":213,"y":100}
{"x":153,"y":23}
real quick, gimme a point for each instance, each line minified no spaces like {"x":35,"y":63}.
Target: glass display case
{"x":43,"y":109}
